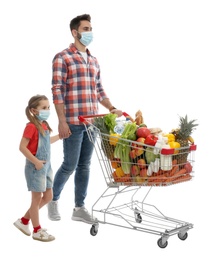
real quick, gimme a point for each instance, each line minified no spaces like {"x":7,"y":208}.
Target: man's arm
{"x":107,"y":104}
{"x":63,"y":128}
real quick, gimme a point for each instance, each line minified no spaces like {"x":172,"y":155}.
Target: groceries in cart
{"x":131,"y":155}
{"x":136,"y":154}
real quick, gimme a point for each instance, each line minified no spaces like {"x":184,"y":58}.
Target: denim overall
{"x":40,"y":180}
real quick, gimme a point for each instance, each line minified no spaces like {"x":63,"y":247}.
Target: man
{"x":76,"y":90}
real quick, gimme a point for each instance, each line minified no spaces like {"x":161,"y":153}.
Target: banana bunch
{"x":190,"y":139}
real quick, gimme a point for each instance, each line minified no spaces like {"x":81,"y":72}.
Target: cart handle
{"x":83,"y":118}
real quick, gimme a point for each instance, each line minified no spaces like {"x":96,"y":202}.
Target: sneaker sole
{"x":44,"y":240}
{"x":83,"y":220}
{"x":27,"y":234}
{"x":55,"y":219}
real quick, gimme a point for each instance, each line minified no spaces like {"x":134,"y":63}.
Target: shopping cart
{"x":135,"y":214}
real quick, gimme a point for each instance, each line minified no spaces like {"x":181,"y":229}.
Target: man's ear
{"x":74,"y":33}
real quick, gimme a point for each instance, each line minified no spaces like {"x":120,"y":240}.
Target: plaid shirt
{"x":76,"y":83}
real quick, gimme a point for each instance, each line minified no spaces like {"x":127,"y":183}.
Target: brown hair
{"x":34,"y":103}
{"x":75,"y":22}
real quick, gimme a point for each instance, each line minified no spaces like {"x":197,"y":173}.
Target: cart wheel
{"x":138,"y":218}
{"x":93,"y":230}
{"x":183,"y":237}
{"x":160,"y":243}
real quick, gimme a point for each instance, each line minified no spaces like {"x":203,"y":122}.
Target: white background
{"x":154,"y":56}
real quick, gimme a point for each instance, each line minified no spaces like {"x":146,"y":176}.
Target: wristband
{"x":111,"y":108}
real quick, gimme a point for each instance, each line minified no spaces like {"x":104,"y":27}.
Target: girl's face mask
{"x":43,"y":115}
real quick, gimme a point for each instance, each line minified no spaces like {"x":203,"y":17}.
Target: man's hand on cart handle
{"x":117,"y":111}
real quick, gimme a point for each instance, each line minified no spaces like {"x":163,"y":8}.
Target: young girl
{"x":35,"y":146}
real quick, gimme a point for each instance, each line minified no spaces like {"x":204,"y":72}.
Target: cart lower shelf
{"x":138,"y":216}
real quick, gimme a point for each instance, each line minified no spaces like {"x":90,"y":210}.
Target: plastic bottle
{"x":165,"y":160}
{"x":156,"y":165}
{"x":119,"y":127}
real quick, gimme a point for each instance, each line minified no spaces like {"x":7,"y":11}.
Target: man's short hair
{"x":75,"y":22}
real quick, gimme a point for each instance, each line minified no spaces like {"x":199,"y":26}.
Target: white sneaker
{"x":24,"y":228}
{"x":43,"y":236}
{"x":53,"y":212}
{"x":82,"y":214}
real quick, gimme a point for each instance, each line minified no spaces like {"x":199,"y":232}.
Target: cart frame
{"x":134,"y":214}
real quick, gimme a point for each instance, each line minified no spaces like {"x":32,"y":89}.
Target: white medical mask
{"x":86,"y":38}
{"x":43,"y":115}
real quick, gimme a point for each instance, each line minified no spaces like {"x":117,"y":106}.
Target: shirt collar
{"x":75,"y":50}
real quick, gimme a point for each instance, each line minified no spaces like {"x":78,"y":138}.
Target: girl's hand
{"x":39,"y":164}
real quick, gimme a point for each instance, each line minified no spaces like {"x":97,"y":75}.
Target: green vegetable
{"x":99,"y":122}
{"x":149,"y":155}
{"x":110,"y":122}
{"x":123,"y":148}
{"x":132,"y":137}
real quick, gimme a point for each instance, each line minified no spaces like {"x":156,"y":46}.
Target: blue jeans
{"x":77,"y":151}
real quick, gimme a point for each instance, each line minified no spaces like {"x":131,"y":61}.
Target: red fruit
{"x":139,"y":150}
{"x":142,"y":132}
{"x":140,"y":140}
{"x":143,"y":172}
{"x":142,"y":163}
{"x":132,"y":154}
{"x":133,"y":145}
{"x":151,"y":140}
{"x":188,"y":167}
{"x":134,"y":170}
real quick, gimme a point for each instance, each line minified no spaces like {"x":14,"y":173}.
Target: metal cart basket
{"x":174,"y":166}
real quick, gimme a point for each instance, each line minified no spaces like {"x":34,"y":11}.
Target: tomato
{"x":142,"y":132}
{"x":151,"y":140}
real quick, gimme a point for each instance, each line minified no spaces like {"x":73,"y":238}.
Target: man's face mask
{"x":86,"y":38}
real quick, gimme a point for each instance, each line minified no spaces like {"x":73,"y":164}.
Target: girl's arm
{"x":54,"y":138}
{"x":27,"y":153}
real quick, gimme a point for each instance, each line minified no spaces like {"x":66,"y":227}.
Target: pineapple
{"x":182,"y":134}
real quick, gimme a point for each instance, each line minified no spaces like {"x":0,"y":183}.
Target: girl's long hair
{"x":34,"y":103}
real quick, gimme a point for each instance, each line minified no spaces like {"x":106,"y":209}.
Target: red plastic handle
{"x":83,"y":118}
{"x":193,"y":147}
{"x":127,"y":116}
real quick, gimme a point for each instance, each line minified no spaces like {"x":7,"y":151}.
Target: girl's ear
{"x":33,"y":111}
